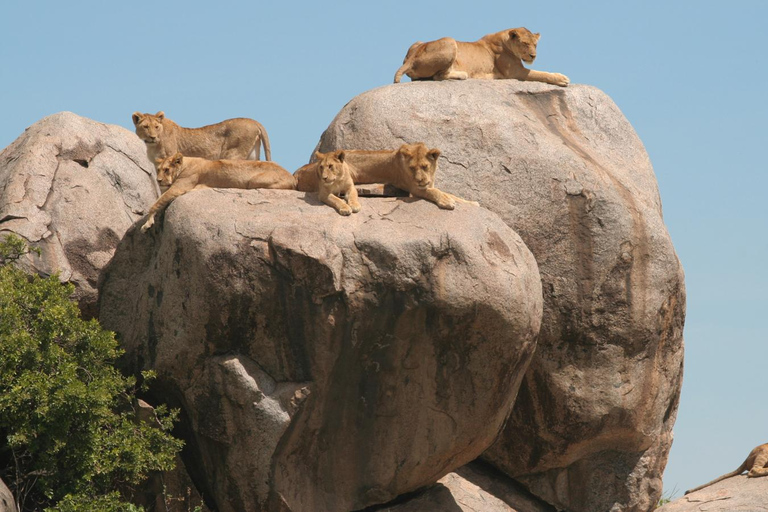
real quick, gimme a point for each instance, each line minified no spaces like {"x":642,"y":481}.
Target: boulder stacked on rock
{"x":326,"y":362}
{"x":592,"y":425}
{"x":72,"y":187}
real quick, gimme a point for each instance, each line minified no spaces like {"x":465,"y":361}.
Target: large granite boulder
{"x":7,"y":503}
{"x":733,"y":494}
{"x":326,"y":363}
{"x":592,"y":425}
{"x":72,"y":187}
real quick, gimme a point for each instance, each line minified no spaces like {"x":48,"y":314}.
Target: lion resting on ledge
{"x":179,"y":174}
{"x":411,"y":168}
{"x":233,"y":139}
{"x":494,"y":56}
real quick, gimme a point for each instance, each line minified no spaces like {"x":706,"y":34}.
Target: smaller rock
{"x":737,"y":493}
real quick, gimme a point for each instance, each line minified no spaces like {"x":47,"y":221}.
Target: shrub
{"x":70,"y":440}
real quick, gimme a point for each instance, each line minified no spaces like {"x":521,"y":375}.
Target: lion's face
{"x":522,"y":44}
{"x":149,"y":127}
{"x":420,"y":163}
{"x":330,"y":166}
{"x":168,"y":168}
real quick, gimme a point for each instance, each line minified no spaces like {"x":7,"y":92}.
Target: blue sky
{"x":689,"y":75}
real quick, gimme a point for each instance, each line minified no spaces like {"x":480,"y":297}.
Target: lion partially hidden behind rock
{"x":496,"y":55}
{"x":233,"y":139}
{"x":756,"y":464}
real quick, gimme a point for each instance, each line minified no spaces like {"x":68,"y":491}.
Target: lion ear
{"x":433,"y":154}
{"x":537,"y":35}
{"x":405,"y":149}
{"x":177,"y":158}
{"x":513,"y":34}
{"x":340,"y":156}
{"x":159,"y":160}
{"x":160,"y":115}
{"x":318,"y":155}
{"x":137,"y":117}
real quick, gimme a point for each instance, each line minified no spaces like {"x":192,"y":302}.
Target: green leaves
{"x":68,"y":418}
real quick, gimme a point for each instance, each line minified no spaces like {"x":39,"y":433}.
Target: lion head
{"x":149,"y":127}
{"x":330,"y":166}
{"x":168,"y":169}
{"x":419,"y":163}
{"x":522,"y":44}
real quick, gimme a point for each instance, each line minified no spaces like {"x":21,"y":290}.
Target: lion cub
{"x":496,"y":55}
{"x":335,"y":178}
{"x":179,"y":174}
{"x":756,"y":463}
{"x":411,"y":168}
{"x":233,"y":139}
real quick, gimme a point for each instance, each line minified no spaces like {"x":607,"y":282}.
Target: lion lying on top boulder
{"x":233,"y":139}
{"x":494,"y":56}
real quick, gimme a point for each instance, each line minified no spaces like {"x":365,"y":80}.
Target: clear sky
{"x":689,"y":75}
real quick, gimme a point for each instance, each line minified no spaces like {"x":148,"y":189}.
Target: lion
{"x":756,"y":464}
{"x":233,"y":139}
{"x":335,"y":178}
{"x":179,"y":174}
{"x":411,"y":168}
{"x":496,"y":56}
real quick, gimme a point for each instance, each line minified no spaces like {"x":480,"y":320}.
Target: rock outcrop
{"x":737,"y":493}
{"x":72,"y":187}
{"x":325,"y":362}
{"x":7,"y":503}
{"x":592,"y":425}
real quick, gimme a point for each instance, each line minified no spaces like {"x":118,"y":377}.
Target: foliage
{"x":70,"y":439}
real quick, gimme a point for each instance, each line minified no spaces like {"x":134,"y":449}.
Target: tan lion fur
{"x":496,"y":55}
{"x":233,"y":139}
{"x":335,"y":178}
{"x":756,"y":464}
{"x":180,"y":174}
{"x":411,"y":168}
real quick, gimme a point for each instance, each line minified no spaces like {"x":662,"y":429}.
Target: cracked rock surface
{"x":592,"y":425}
{"x":738,"y":493}
{"x":326,"y":363}
{"x":72,"y":187}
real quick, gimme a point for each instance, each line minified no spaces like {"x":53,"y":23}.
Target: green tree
{"x":71,"y":440}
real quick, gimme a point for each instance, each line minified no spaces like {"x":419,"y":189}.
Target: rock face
{"x":737,"y":493}
{"x":7,"y":503}
{"x":72,"y":187}
{"x":592,"y":425}
{"x":471,"y":488}
{"x":326,"y":363}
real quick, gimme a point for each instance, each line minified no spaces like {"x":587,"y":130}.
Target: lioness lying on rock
{"x":494,"y":56}
{"x":233,"y":139}
{"x":411,"y":168}
{"x":179,"y":174}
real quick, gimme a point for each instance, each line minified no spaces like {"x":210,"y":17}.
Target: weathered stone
{"x":733,"y":494}
{"x":7,"y":503}
{"x":471,"y":488}
{"x":72,"y":187}
{"x":592,"y":425}
{"x":326,"y":362}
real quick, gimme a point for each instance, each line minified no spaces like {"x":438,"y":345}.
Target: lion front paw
{"x":447,"y":204}
{"x":150,"y":222}
{"x":345,"y":210}
{"x":560,"y":79}
{"x":355,"y":207}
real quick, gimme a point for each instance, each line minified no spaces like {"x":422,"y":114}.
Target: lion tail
{"x":407,"y":62}
{"x":265,"y":143}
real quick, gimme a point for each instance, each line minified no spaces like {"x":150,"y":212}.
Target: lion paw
{"x":561,"y":80}
{"x":448,"y":204}
{"x":147,"y":225}
{"x":345,"y":211}
{"x":355,"y":207}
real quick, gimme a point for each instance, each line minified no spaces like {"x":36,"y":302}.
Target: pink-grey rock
{"x":326,"y":363}
{"x":592,"y":425}
{"x":471,"y":488}
{"x":72,"y":187}
{"x":7,"y":503}
{"x":736,"y":494}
